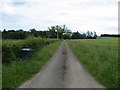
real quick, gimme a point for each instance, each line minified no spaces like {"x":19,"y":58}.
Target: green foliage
{"x":77,"y":35}
{"x":11,"y":34}
{"x":11,"y":48}
{"x":19,"y":71}
{"x":88,"y":35}
{"x":100,"y":56}
{"x":58,"y":32}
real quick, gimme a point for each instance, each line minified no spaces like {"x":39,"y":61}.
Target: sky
{"x":78,"y":15}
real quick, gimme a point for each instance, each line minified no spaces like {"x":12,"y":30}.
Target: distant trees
{"x":91,"y":35}
{"x":12,"y":34}
{"x":110,"y":35}
{"x":52,"y":33}
{"x":21,"y":34}
{"x":88,"y":35}
{"x":61,"y":32}
{"x":76,"y":35}
{"x":67,"y":34}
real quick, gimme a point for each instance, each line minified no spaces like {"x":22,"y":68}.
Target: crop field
{"x":15,"y":69}
{"x":100,"y":57}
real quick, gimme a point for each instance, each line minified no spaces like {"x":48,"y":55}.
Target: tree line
{"x":110,"y":35}
{"x":60,"y":32}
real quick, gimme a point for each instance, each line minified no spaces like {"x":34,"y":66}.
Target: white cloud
{"x":81,"y":15}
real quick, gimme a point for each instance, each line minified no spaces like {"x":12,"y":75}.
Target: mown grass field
{"x":100,"y":57}
{"x":17,"y":71}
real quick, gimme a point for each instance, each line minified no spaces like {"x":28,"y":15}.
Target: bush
{"x":11,"y":48}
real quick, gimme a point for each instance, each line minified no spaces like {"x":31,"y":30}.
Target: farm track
{"x":63,"y":70}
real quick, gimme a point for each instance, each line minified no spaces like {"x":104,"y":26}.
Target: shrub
{"x":11,"y":48}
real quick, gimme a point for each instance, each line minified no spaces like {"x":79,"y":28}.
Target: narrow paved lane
{"x":63,"y":70}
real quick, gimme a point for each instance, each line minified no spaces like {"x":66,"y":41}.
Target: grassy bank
{"x":100,"y":57}
{"x":19,"y":71}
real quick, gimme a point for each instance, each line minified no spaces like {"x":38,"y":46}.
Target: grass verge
{"x":100,"y":57}
{"x":19,"y":71}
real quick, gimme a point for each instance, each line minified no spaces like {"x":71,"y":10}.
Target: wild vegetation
{"x":11,"y":48}
{"x":100,"y":57}
{"x":19,"y":69}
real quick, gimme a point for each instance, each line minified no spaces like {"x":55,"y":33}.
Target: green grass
{"x":100,"y":57}
{"x":107,"y":37}
{"x":19,"y":71}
